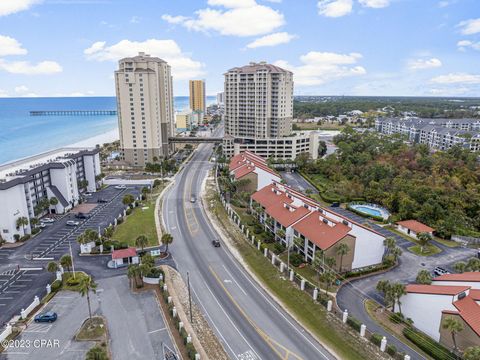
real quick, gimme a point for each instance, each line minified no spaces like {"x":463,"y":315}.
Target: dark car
{"x":81,"y":216}
{"x":102,"y":200}
{"x":216,"y":243}
{"x":49,"y":316}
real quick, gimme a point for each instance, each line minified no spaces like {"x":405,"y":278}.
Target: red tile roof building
{"x":247,"y":163}
{"x":415,"y":226}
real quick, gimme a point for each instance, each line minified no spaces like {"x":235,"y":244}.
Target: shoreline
{"x":107,"y":137}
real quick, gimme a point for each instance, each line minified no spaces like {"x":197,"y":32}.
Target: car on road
{"x":120,"y":187}
{"x":193,"y":199}
{"x":82,"y":216}
{"x":49,"y":316}
{"x":87,"y":194}
{"x":216,"y":243}
{"x":41,"y":225}
{"x":47,"y":220}
{"x":102,"y":201}
{"x":439,"y":271}
{"x":73,"y":223}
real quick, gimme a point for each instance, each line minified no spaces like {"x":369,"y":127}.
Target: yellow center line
{"x":260,"y":332}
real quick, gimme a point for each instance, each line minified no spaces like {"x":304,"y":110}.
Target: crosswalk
{"x":8,"y":272}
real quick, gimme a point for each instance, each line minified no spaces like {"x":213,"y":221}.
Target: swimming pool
{"x":373,"y":210}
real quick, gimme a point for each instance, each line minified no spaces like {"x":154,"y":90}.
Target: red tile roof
{"x":286,"y":214}
{"x":469,"y":310}
{"x":243,"y":170}
{"x":267,"y":197}
{"x":474,"y":294}
{"x":124,"y":253}
{"x":416,"y":226}
{"x":249,"y":158}
{"x":436,"y":289}
{"x":321,"y":234}
{"x":467,"y":276}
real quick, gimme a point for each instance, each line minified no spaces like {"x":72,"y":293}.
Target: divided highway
{"x":247,"y":321}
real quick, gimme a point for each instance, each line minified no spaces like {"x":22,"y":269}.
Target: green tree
{"x":141,"y":241}
{"x":34,"y":221}
{"x":473,"y":264}
{"x":66,"y":262}
{"x":86,"y":285}
{"x":89,"y":235}
{"x":167,"y":239}
{"x":145,"y":191}
{"x":396,"y":252}
{"x":132,"y":273}
{"x":460,"y":267}
{"x":318,"y":264}
{"x":423,"y":240}
{"x":96,"y":353}
{"x":281,"y":233}
{"x":22,"y":222}
{"x":342,"y":250}
{"x":386,"y":289}
{"x":329,"y":278}
{"x":53,"y":201}
{"x":128,"y":199}
{"x":424,"y":277}
{"x":453,"y":326}
{"x":52,"y":267}
{"x":330,"y":263}
{"x":389,"y":244}
{"x":472,"y":353}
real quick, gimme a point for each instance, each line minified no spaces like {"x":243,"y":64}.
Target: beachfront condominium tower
{"x":258,"y":113}
{"x":197,"y":95}
{"x":146,"y":117}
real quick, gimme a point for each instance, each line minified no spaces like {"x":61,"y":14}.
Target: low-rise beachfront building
{"x":296,"y":219}
{"x":254,"y":168}
{"x":62,"y":174}
{"x":413,"y":228}
{"x":450,"y":296}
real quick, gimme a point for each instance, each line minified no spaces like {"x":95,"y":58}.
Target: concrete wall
{"x":91,"y":166}
{"x":14,"y":206}
{"x":265,"y":178}
{"x":252,"y":186}
{"x":66,"y":181}
{"x":347,"y":260}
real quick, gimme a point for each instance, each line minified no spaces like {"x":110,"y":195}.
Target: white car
{"x":120,"y":187}
{"x":47,"y":220}
{"x":72,"y":223}
{"x":87,"y":194}
{"x":41,"y":225}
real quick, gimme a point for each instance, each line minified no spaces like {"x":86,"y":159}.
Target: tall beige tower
{"x":197,"y":95}
{"x":146,"y":118}
{"x":258,"y":101}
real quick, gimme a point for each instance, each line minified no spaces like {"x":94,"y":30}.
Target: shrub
{"x":391,"y":350}
{"x":16,"y":237}
{"x":56,"y":285}
{"x":257,"y":229}
{"x":296,"y":259}
{"x":278,"y":248}
{"x":354,"y":323}
{"x":427,"y":344}
{"x":191,"y":351}
{"x":119,"y":221}
{"x":35,"y":231}
{"x":376,"y":339}
{"x":397,"y":318}
{"x":73,"y":281}
{"x":128,"y":211}
{"x":25,"y":237}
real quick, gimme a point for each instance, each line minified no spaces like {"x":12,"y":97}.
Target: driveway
{"x":297,"y":181}
{"x":135,"y":323}
{"x":58,"y":337}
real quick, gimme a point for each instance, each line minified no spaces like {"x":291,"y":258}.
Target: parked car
{"x":72,"y":223}
{"x":82,"y":216}
{"x":120,"y":187}
{"x":49,"y":316}
{"x":102,"y":200}
{"x":87,"y":195}
{"x":41,"y":225}
{"x":216,"y":243}
{"x":193,"y":199}
{"x":47,"y":220}
{"x":438,"y":271}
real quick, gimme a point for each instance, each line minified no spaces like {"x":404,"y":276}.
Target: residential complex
{"x":62,"y":174}
{"x":145,"y":108}
{"x":186,"y":120}
{"x":221,"y":98}
{"x":450,"y":296}
{"x":254,"y":169}
{"x":259,"y":112}
{"x":316,"y":227}
{"x":439,"y":134}
{"x":413,"y":228}
{"x":197,"y":95}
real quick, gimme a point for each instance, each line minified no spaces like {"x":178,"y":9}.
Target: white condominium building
{"x":62,"y":174}
{"x":145,"y":108}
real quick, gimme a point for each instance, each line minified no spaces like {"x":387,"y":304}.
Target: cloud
{"x":10,"y":46}
{"x":271,"y":40}
{"x":183,"y":67}
{"x":456,"y":78}
{"x":376,"y":4}
{"x":320,"y":67}
{"x":21,"y":89}
{"x":239,"y":18}
{"x":469,"y":27}
{"x":464,"y":44}
{"x":335,"y":8}
{"x":26,"y":68}
{"x":449,"y":91}
{"x":8,"y":7}
{"x":420,"y":64}
{"x":135,"y":20}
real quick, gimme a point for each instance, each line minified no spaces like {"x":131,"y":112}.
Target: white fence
{"x":24,"y":313}
{"x":6,"y":333}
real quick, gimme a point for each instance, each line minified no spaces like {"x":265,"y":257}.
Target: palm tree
{"x":128,"y":199}
{"x":342,"y":249}
{"x":88,"y":235}
{"x":141,"y":241}
{"x":166,"y":240}
{"x":132,"y":273}
{"x":396,"y":252}
{"x":86,"y":285}
{"x":53,"y":201}
{"x":22,"y":222}
{"x":423,"y":240}
{"x":145,"y":191}
{"x":386,"y":288}
{"x":329,"y":278}
{"x":473,"y":264}
{"x":424,"y":277}
{"x":399,"y":290}
{"x":454,"y":327}
{"x":34,"y":221}
{"x":66,"y":262}
{"x":472,"y":353}
{"x":52,"y":267}
{"x":330,"y":262}
{"x":460,"y":267}
{"x":318,"y":263}
{"x":389,"y":244}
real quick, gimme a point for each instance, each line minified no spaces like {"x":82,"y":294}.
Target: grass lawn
{"x":427,"y":250}
{"x":300,"y":304}
{"x":92,"y":329}
{"x":449,"y":243}
{"x":140,"y":222}
{"x":69,"y":283}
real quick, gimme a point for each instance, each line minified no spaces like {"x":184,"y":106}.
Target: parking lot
{"x":58,"y":337}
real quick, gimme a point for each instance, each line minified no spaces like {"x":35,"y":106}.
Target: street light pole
{"x":71,"y":256}
{"x":189,"y":297}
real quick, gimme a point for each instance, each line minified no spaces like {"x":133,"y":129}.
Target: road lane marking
{"x":228,"y":272}
{"x":154,"y":331}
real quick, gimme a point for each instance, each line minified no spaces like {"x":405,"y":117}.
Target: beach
{"x":107,"y":137}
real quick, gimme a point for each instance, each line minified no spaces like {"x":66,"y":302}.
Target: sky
{"x":333,"y":47}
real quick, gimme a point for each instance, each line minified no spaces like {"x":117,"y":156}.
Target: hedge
{"x":366,"y":271}
{"x":56,"y":285}
{"x":376,"y":339}
{"x":427,"y":344}
{"x":354,"y":323}
{"x":391,"y":350}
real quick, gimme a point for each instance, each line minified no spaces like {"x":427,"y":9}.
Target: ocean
{"x":22,"y":135}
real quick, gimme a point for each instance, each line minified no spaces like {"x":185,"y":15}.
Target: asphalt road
{"x":248,"y":322}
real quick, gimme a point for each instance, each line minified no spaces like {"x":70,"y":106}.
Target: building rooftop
{"x":436,"y":289}
{"x":415,"y":225}
{"x":286,"y":213}
{"x":268,"y":196}
{"x":124,"y":253}
{"x":262,"y":65}
{"x":466,"y":276}
{"x":469,"y":310}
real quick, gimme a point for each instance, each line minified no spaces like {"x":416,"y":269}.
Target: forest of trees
{"x":441,"y":189}
{"x":428,"y":107}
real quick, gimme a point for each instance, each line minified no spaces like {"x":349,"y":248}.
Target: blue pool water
{"x":23,"y":135}
{"x":369,"y":210}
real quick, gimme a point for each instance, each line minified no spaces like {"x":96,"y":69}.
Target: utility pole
{"x":71,"y":256}
{"x":189,"y":297}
